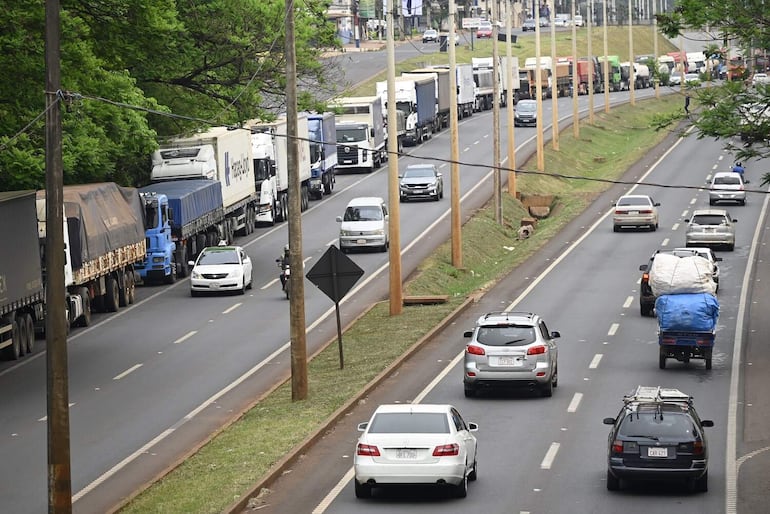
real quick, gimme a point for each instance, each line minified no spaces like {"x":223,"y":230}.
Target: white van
{"x":364,"y":224}
{"x":578,"y":20}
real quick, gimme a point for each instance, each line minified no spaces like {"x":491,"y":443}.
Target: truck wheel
{"x":181,"y":264}
{"x":708,"y":359}
{"x":123,"y":290}
{"x":85,"y":299}
{"x":171,"y":277}
{"x":111,"y":300}
{"x":304,"y":199}
{"x":131,"y":292}
{"x":662,"y":360}
{"x":13,"y":352}
{"x":20,"y":335}
{"x":30,"y":329}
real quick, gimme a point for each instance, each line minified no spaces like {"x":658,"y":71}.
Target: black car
{"x":657,"y":436}
{"x":421,"y":181}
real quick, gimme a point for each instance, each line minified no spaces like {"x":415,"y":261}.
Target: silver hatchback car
{"x":710,"y":227}
{"x":511,"y":349}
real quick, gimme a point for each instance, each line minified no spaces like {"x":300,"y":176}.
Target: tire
{"x":85,"y":319}
{"x":615,"y":228}
{"x":546,"y":390}
{"x":193,"y":293}
{"x":20,"y":335}
{"x":712,"y":202}
{"x":111,"y":296}
{"x":461,"y":489}
{"x":131,"y":288}
{"x":470,"y":392}
{"x":556,"y":377}
{"x":123,"y":291}
{"x":13,"y":352}
{"x":613,"y":483}
{"x":362,"y":490}
{"x":662,"y":360}
{"x":171,"y":278}
{"x":474,"y":474}
{"x":730,"y":247}
{"x":30,"y":329}
{"x":702,"y":483}
{"x":182,"y":269}
{"x":251,"y":282}
{"x":708,"y":362}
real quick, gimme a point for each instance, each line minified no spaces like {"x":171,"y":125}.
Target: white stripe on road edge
{"x":337,"y":489}
{"x":575,"y":403}
{"x":595,"y":361}
{"x":231,"y":309}
{"x":628,"y":302}
{"x":129,"y":370}
{"x":185,"y":337}
{"x":268,"y":284}
{"x":613,"y":329}
{"x":550,"y":455}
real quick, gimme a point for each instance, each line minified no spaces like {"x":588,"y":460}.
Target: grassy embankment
{"x":228,"y":466}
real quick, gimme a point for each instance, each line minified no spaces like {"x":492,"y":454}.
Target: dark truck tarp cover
{"x":695,"y":312}
{"x":188,"y":199}
{"x":101,"y":218}
{"x":20,"y":275}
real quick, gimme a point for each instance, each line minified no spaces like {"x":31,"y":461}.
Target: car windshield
{"x":508,"y":335}
{"x":422,"y":172}
{"x":409,"y":423}
{"x":526,"y":107}
{"x":633,"y":200}
{"x":709,"y":219}
{"x":211,"y":257}
{"x":658,"y":424}
{"x":363,"y":213}
{"x":734,"y":180}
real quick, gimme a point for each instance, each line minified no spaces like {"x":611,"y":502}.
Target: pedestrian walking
{"x":687,"y":104}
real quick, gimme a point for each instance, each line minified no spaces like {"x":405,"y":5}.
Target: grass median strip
{"x":228,"y":466}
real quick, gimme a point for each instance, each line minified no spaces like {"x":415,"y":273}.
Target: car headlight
{"x":380,"y":232}
{"x":195,"y":274}
{"x":344,"y":233}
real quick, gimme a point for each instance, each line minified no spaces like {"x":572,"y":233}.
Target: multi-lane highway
{"x":150,"y":382}
{"x":548,"y":455}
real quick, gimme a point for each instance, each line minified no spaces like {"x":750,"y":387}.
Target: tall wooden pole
{"x":655,"y":72}
{"x":575,"y":77}
{"x":631,"y":71}
{"x":606,"y":63}
{"x":539,"y":94}
{"x":496,"y":117}
{"x":591,"y":70}
{"x":59,"y":468}
{"x":299,"y":383}
{"x":394,"y":232}
{"x":554,"y":86}
{"x":509,"y":101}
{"x":454,"y":152}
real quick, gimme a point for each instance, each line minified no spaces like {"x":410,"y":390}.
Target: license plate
{"x":347,"y":161}
{"x":510,"y":361}
{"x":657,"y":452}
{"x":361,"y":241}
{"x":214,"y":285}
{"x":406,"y":453}
{"x":633,"y":212}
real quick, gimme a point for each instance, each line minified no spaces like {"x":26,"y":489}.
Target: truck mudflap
{"x":685,"y":346}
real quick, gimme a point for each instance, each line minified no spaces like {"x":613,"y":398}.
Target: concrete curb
{"x":290,"y":458}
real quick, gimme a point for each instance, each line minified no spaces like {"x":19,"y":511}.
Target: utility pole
{"x":631,"y":71}
{"x":509,"y":102}
{"x":606,"y":63}
{"x":496,"y":117}
{"x":656,"y":71}
{"x":539,"y":94}
{"x":394,"y":224}
{"x":575,"y":79}
{"x":454,"y":152}
{"x":59,"y":468}
{"x":591,"y":70}
{"x":554,"y":86}
{"x":299,"y":382}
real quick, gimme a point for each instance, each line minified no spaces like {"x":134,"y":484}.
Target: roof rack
{"x":657,"y":394}
{"x":508,"y":314}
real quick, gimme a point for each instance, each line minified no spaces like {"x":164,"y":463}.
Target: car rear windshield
{"x":709,"y":219}
{"x":633,"y":200}
{"x":409,"y":423}
{"x":508,"y":335}
{"x":659,"y":424}
{"x":728,"y":179}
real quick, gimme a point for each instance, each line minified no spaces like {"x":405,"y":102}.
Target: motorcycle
{"x":285,"y":275}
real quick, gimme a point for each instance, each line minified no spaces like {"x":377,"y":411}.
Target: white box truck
{"x":361,"y":133}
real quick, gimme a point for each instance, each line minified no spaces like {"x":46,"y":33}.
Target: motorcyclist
{"x":283,"y":263}
{"x":738,"y":168}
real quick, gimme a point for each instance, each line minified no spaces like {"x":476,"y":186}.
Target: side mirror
{"x":555,"y":334}
{"x":656,"y":204}
{"x":608,"y":421}
{"x":707,"y":423}
{"x":339,"y":219}
{"x":362,"y":426}
{"x":438,"y":175}
{"x":734,"y":220}
{"x":718,"y":259}
{"x":468,"y":333}
{"x":400,"y":176}
{"x":643,"y":267}
{"x":472,"y":427}
{"x":191,"y":263}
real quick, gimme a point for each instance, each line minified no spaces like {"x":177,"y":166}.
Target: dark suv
{"x":657,"y":436}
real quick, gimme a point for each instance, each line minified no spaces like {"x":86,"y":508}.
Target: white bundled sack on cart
{"x":681,"y":275}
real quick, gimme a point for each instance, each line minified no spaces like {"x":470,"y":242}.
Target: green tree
{"x":735,"y":113}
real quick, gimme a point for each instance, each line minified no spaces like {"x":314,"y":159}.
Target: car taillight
{"x":536,"y":350}
{"x":645,"y":211}
{"x":446,"y":450}
{"x":367,"y":450}
{"x":618,"y":211}
{"x":475,"y":350}
{"x":645,"y":277}
{"x":617,"y":446}
{"x":697,"y":448}
{"x":667,"y":340}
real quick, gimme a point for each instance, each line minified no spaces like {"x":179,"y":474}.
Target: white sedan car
{"x":220,"y":268}
{"x":415,"y":444}
{"x":635,"y":211}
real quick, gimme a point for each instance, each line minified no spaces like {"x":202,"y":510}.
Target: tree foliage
{"x":736,"y":113}
{"x":125,"y":61}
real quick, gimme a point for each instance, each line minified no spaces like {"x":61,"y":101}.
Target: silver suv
{"x":710,"y":227}
{"x":511,"y":349}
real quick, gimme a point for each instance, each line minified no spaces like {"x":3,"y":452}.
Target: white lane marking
{"x":595,"y":361}
{"x":304,"y":261}
{"x":128,"y":371}
{"x":231,"y":309}
{"x":665,"y":242}
{"x":628,"y":302}
{"x":715,"y":166}
{"x":350,"y":474}
{"x":185,"y":337}
{"x":268,"y":284}
{"x":731,"y":465}
{"x":70,"y":405}
{"x":692,"y":202}
{"x":684,"y":213}
{"x":550,"y":455}
{"x":613,"y":329}
{"x":575,"y":403}
{"x":332,"y":242}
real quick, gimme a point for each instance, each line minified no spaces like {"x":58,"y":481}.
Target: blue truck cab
{"x":157,"y":264}
{"x":322,"y":132}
